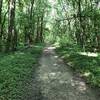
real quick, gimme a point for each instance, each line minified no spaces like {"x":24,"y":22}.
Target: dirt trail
{"x":55,"y":81}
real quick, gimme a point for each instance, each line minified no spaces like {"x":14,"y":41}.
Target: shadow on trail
{"x":33,"y":87}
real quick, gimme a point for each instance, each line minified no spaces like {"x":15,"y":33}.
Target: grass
{"x":15,"y":69}
{"x":88,"y":66}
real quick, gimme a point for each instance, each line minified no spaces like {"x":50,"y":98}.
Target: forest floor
{"x":53,"y":80}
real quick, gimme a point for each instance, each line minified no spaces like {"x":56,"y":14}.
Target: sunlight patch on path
{"x":89,"y":54}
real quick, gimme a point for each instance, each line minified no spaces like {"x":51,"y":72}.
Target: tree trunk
{"x":38,"y":30}
{"x":31,"y":23}
{"x":81,"y":29}
{"x":11,"y":24}
{"x":1,"y":25}
{"x":41,"y":31}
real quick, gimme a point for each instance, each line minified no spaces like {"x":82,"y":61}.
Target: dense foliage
{"x":79,"y":22}
{"x":21,"y":23}
{"x":73,"y":25}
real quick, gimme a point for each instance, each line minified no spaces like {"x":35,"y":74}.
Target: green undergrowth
{"x":15,"y":69}
{"x":88,"y":66}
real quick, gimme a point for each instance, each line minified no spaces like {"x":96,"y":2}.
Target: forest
{"x":35,"y":34}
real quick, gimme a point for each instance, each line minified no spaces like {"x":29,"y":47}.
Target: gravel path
{"x":55,"y":81}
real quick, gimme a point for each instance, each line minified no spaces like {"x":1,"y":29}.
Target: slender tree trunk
{"x":29,"y":28}
{"x":41,"y":31}
{"x":14,"y":41}
{"x":14,"y":38}
{"x":1,"y":1}
{"x":81,"y":28}
{"x":26,"y":36}
{"x":80,"y":21}
{"x":31,"y":23}
{"x":38,"y":30}
{"x":11,"y":24}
